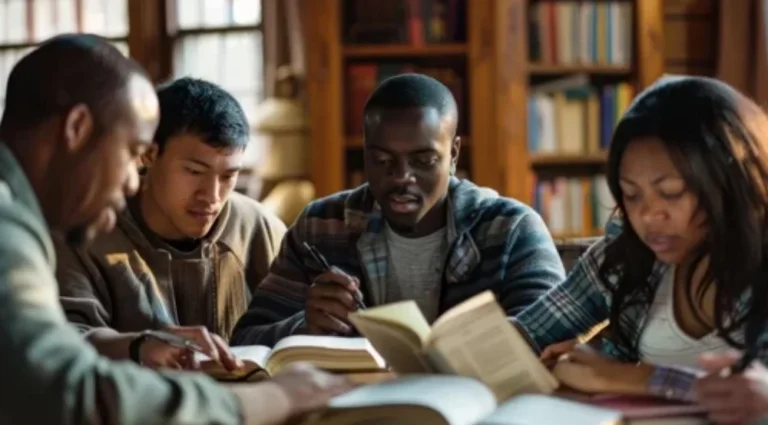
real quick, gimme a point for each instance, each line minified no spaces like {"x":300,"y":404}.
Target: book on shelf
{"x":584,"y":33}
{"x":331,"y":353}
{"x":415,"y":22}
{"x":454,"y":400}
{"x":577,"y":206}
{"x":473,"y":339}
{"x":572,"y":117}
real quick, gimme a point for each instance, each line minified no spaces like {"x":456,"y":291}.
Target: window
{"x":221,"y":41}
{"x":24,"y":23}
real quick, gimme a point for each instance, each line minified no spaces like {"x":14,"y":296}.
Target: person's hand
{"x":158,"y":354}
{"x":740,"y":398}
{"x":552,"y":353}
{"x":308,"y":388}
{"x":331,"y":298}
{"x":586,"y":370}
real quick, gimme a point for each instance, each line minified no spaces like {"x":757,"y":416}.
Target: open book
{"x":336,"y":354}
{"x":453,"y":400}
{"x":473,"y":339}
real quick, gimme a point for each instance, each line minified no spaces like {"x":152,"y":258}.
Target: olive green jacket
{"x":50,"y":374}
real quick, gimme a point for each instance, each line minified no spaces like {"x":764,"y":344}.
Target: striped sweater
{"x":495,"y":243}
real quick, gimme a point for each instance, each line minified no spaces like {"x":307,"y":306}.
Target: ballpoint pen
{"x":320,"y":259}
{"x":176,"y":340}
{"x":750,"y":354}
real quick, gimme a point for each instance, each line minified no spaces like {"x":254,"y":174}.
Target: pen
{"x":746,"y":359}
{"x":176,"y":341}
{"x":320,"y":259}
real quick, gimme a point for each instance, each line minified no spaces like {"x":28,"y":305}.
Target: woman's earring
{"x":453,"y":169}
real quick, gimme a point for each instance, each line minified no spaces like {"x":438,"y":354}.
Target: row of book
{"x":363,"y":78}
{"x":574,"y":206}
{"x":571,"y":116}
{"x":580,"y":32}
{"x":415,"y":22}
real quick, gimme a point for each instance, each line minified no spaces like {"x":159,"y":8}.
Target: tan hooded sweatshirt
{"x":131,"y":280}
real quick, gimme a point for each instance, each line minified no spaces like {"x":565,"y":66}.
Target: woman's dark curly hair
{"x":718,"y":140}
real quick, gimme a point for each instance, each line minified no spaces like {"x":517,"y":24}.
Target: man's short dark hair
{"x":412,"y":90}
{"x":65,"y":71}
{"x":201,"y":108}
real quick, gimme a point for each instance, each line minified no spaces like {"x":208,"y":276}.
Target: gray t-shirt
{"x":416,"y":269}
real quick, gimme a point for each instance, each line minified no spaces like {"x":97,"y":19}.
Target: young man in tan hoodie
{"x":188,"y":251}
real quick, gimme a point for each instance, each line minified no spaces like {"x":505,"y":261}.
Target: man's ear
{"x":149,"y":156}
{"x":78,"y":127}
{"x":455,"y":149}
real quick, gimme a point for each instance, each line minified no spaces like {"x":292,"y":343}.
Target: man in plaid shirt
{"x":414,"y":231}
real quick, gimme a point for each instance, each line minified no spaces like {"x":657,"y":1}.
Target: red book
{"x":650,"y":410}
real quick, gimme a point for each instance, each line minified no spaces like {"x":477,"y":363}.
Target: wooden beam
{"x":148,"y":38}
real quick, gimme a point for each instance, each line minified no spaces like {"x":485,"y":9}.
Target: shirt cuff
{"x":673,"y":382}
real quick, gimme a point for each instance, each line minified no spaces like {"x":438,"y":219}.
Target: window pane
{"x":246,"y":12}
{"x":53,"y":17}
{"x":15,"y":22}
{"x":232,"y":60}
{"x":44,"y":18}
{"x":8,"y":58}
{"x":108,"y":18}
{"x":218,"y":13}
{"x":67,"y":21}
{"x":189,"y":13}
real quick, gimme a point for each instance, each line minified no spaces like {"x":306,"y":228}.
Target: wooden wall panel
{"x":690,"y":36}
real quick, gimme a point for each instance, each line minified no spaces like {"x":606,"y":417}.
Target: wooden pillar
{"x":149,"y":39}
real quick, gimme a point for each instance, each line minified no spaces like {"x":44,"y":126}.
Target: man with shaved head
{"x":77,"y":116}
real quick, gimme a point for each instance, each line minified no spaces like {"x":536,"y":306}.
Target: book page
{"x":323,"y":341}
{"x":486,"y":346}
{"x":460,"y":400}
{"x":404,"y":315}
{"x":256,"y":354}
{"x":327,"y":352}
{"x":402,"y":351}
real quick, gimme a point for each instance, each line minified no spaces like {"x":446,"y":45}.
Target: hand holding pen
{"x":333,"y":295}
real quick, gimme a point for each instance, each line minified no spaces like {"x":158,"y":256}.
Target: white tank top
{"x":663,"y":342}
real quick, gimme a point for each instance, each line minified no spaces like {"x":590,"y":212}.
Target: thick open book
{"x":473,"y":339}
{"x":454,"y":400}
{"x":336,"y":354}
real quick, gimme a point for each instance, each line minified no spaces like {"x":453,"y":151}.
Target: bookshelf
{"x":585,"y":62}
{"x":490,"y":58}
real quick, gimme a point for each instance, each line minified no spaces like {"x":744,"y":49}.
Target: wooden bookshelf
{"x":549,"y":69}
{"x":617,"y":60}
{"x":404,"y":50}
{"x":498,"y":79}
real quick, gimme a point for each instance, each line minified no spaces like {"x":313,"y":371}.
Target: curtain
{"x":283,"y":40}
{"x":742,"y":59}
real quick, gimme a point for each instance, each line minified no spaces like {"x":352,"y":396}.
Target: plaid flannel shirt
{"x":496,"y":243}
{"x":582,"y":301}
